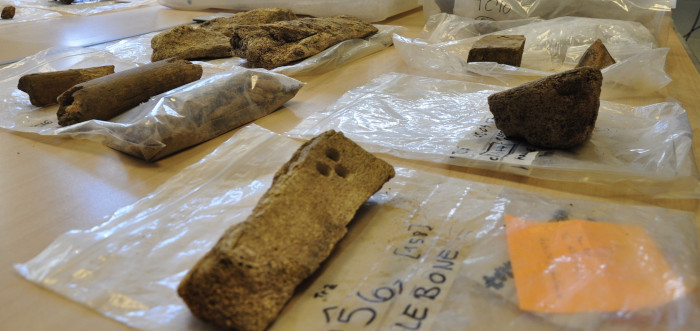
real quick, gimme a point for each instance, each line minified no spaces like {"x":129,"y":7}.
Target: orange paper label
{"x":584,"y":266}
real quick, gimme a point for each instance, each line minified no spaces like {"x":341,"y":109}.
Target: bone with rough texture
{"x":596,"y":56}
{"x":503,"y":49}
{"x":558,"y":111}
{"x":44,"y":88}
{"x":108,"y":96}
{"x":276,"y":44}
{"x":246,"y":279}
{"x":212,"y":38}
{"x":8,"y":12}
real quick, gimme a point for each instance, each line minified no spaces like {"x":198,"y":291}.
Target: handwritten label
{"x":427,"y":293}
{"x":494,"y":10}
{"x":488,"y":143}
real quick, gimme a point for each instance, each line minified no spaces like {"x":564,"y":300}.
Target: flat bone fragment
{"x":558,"y":111}
{"x":503,"y":49}
{"x":44,"y":88}
{"x":276,"y":44}
{"x":246,"y":279}
{"x":108,"y":96}
{"x":212,"y":38}
{"x":596,"y":56}
{"x":227,"y":25}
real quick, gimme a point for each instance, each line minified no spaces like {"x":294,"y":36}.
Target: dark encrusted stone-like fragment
{"x":503,"y":49}
{"x":272,"y":45}
{"x":558,"y":111}
{"x":596,"y":56}
{"x":8,"y":12}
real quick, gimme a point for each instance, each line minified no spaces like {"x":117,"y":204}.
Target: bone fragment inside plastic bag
{"x":551,"y":46}
{"x":434,"y":253}
{"x":644,"y":150}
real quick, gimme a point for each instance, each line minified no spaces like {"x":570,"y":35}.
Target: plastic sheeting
{"x":551,"y":46}
{"x":433,"y":253}
{"x":367,"y":10}
{"x":174,"y":120}
{"x":83,"y":7}
{"x":648,"y":12}
{"x":636,"y":150}
{"x":29,"y":14}
{"x":169,"y":122}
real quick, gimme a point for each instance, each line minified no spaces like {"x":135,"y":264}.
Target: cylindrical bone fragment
{"x":596,"y":56}
{"x":252,"y":271}
{"x":44,"y":88}
{"x":558,"y":111}
{"x":108,"y":96}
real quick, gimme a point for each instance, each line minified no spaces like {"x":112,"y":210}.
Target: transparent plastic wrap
{"x":422,"y":238}
{"x":220,"y":101}
{"x":27,"y":14}
{"x":648,"y":12}
{"x":551,"y":46}
{"x":367,"y":10}
{"x":636,"y":150}
{"x":138,"y":50}
{"x":83,"y":7}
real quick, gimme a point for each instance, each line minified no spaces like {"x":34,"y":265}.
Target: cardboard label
{"x":579,"y":266}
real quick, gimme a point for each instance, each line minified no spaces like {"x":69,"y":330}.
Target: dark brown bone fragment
{"x":212,"y":38}
{"x":8,"y":12}
{"x":44,"y":88}
{"x":596,"y":56}
{"x":108,"y":96}
{"x":246,"y":279}
{"x":276,"y":44}
{"x":558,"y":111}
{"x":503,"y":49}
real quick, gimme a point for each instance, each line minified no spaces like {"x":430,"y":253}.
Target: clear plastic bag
{"x":367,"y":10}
{"x":224,"y":99}
{"x":551,"y":46}
{"x":17,"y":113}
{"x":83,"y":7}
{"x":637,"y":150}
{"x":422,"y":237}
{"x":138,"y":50}
{"x":648,"y":12}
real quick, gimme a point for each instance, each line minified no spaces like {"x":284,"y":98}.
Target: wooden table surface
{"x":51,"y":185}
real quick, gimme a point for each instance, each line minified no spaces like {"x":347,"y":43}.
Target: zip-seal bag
{"x":416,"y":256}
{"x":551,"y":46}
{"x":643,"y":150}
{"x":222,"y":100}
{"x":648,"y":12}
{"x":366,"y":10}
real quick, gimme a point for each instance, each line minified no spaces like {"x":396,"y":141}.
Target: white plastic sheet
{"x":83,"y":7}
{"x":648,"y":12}
{"x":367,"y":10}
{"x":408,"y":260}
{"x":638,"y":150}
{"x":551,"y":46}
{"x":27,"y":14}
